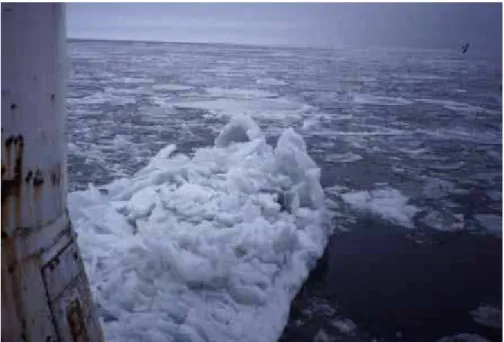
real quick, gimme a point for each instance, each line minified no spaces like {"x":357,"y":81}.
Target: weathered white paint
{"x":45,"y":292}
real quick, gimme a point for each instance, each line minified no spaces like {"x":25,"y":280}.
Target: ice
{"x":419,"y":77}
{"x":293,"y":161}
{"x":444,"y":220}
{"x":310,"y":123}
{"x":211,"y":247}
{"x":413,"y":152}
{"x":487,"y":176}
{"x":93,"y":153}
{"x":380,"y":100}
{"x":252,"y":102}
{"x":443,"y":166}
{"x":379,"y":132}
{"x":463,"y":134}
{"x":121,"y":141}
{"x":463,"y":338}
{"x":495,"y":154}
{"x":271,"y":81}
{"x":322,"y":336}
{"x":388,"y":203}
{"x":171,"y":87}
{"x":107,"y":96}
{"x":336,"y":189}
{"x":459,"y":106}
{"x":260,"y":108}
{"x":435,"y":188}
{"x":123,"y":91}
{"x":315,"y":121}
{"x":136,"y":80}
{"x":240,"y":93}
{"x":317,"y":306}
{"x":96,"y":98}
{"x":347,"y":157}
{"x":345,"y":325}
{"x":241,"y":129}
{"x":491,"y":222}
{"x":487,"y":316}
{"x":494,"y":195}
{"x":76,"y":150}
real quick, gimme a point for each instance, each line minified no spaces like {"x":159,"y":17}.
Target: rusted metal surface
{"x":65,"y":282}
{"x":45,"y":292}
{"x":75,"y":321}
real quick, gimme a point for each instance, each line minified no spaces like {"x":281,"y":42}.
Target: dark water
{"x":390,"y":284}
{"x":422,"y":124}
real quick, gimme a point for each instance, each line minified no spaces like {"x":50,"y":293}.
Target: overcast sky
{"x":297,"y":24}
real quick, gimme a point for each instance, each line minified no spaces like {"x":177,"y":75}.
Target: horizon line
{"x":256,"y":44}
{"x":200,"y":43}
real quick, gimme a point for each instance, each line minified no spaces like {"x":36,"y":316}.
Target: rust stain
{"x":75,"y":322}
{"x":18,"y":173}
{"x":36,"y":196}
{"x":6,"y":183}
{"x":29,"y":176}
{"x":24,"y":336}
{"x":5,"y":207}
{"x":14,"y":278}
{"x":11,"y":183}
{"x":18,"y":183}
{"x":56,"y":175}
{"x":38,"y":180}
{"x":8,"y":187}
{"x":8,"y":143}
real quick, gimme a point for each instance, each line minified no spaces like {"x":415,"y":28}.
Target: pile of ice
{"x":205,"y":248}
{"x":487,"y":316}
{"x":388,"y":203}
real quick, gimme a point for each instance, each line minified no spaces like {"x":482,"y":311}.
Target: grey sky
{"x":429,"y":25}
